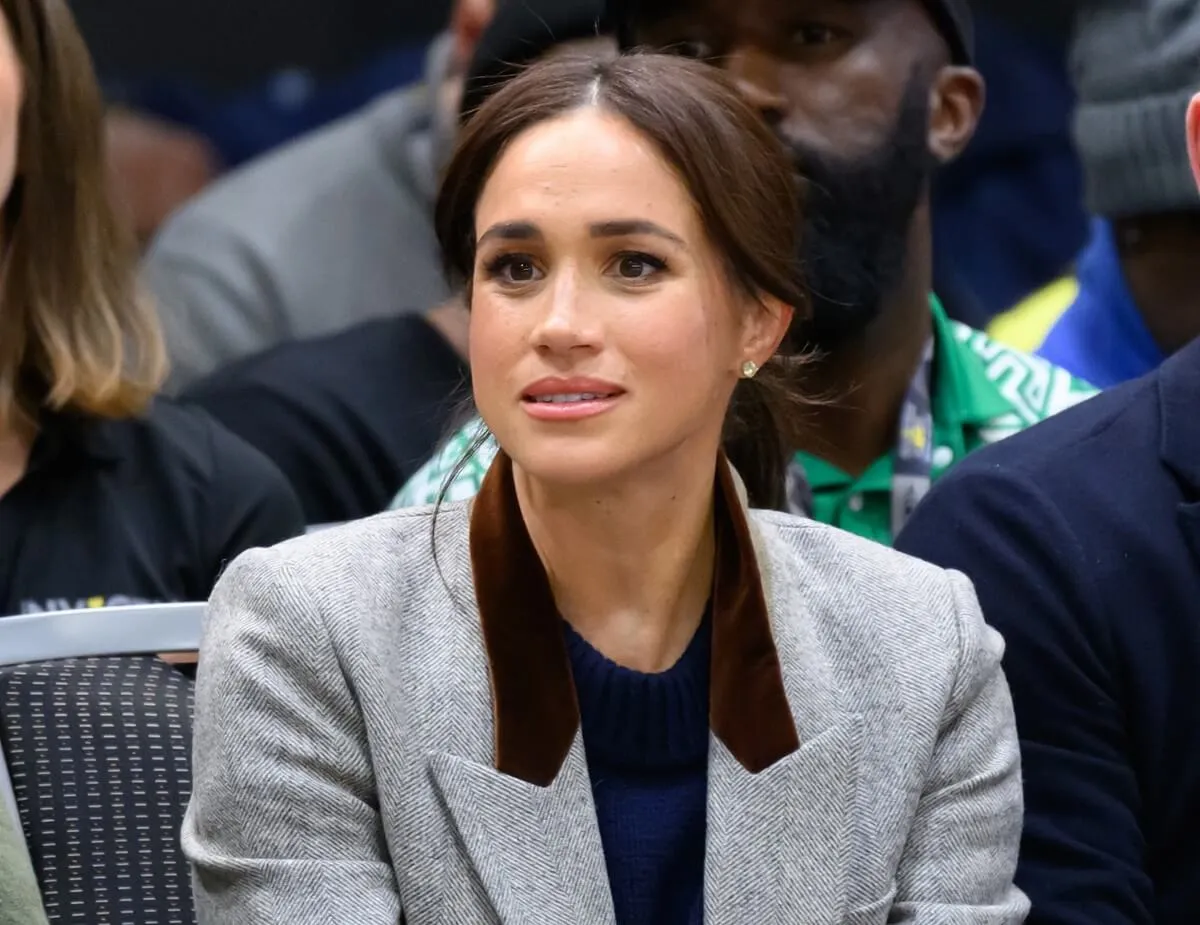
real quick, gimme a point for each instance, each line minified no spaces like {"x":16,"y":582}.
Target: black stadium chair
{"x":95,"y":743}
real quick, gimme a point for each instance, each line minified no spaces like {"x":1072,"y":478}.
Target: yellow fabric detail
{"x":1026,"y":324}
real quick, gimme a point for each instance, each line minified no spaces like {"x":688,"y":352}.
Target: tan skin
{"x":451,"y":319}
{"x":155,"y":167}
{"x":829,"y":74}
{"x":16,"y":438}
{"x":1193,"y":136}
{"x":468,"y":20}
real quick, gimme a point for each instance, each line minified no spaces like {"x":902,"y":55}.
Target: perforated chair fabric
{"x":99,"y":753}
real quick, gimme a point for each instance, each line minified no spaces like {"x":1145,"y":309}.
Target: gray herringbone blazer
{"x":381,"y":733}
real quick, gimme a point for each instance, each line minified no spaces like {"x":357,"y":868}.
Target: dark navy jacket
{"x":1082,"y":536}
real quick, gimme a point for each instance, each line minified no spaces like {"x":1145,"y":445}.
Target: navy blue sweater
{"x":646,"y":737}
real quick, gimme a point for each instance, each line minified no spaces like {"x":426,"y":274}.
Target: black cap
{"x":952,"y":18}
{"x":520,"y":33}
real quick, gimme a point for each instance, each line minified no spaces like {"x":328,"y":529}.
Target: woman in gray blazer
{"x":606,"y":690}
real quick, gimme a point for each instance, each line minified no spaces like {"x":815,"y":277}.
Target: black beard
{"x":857,"y":213}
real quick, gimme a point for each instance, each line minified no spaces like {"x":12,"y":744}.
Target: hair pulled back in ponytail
{"x":762,"y":429}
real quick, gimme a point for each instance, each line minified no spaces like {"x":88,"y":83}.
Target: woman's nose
{"x":565,"y":324}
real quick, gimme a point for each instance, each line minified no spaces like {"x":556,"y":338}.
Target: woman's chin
{"x":581,"y":465}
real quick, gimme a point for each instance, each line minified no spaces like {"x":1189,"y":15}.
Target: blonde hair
{"x":74,"y":331}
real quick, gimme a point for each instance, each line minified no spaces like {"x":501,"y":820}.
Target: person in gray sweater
{"x":327,"y":232}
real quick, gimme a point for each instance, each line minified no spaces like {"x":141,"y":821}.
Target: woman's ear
{"x":955,"y":105}
{"x":766,"y":326}
{"x":1193,"y":136}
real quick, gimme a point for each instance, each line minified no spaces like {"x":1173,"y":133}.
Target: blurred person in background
{"x":322,"y":234}
{"x":106,"y":497}
{"x":155,"y":166}
{"x":180,"y":113}
{"x":1008,"y":213}
{"x":1082,"y":537}
{"x":870,"y":98}
{"x":349,"y":417}
{"x":1134,"y":298}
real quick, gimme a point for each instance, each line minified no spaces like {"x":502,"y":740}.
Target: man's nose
{"x":757,"y":75}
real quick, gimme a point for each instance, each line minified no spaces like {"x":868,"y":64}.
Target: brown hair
{"x":736,"y":171}
{"x":73,"y":332}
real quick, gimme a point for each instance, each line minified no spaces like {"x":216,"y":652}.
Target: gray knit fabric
{"x":1136,"y":64}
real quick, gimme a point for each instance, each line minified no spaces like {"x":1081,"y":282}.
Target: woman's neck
{"x":630,"y":566}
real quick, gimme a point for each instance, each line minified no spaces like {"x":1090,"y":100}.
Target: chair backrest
{"x":133,"y":630}
{"x":317,"y":528}
{"x":98,"y":750}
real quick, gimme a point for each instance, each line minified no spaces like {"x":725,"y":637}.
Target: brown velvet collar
{"x":533,"y":694}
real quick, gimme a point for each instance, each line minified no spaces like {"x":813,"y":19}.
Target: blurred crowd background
{"x":198,"y":88}
{"x":270,"y":157}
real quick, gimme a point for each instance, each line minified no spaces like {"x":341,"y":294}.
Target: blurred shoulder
{"x":186,"y":440}
{"x":1075,"y":447}
{"x":269,"y":194}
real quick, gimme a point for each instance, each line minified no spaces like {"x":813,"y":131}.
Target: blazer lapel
{"x":527,"y":822}
{"x":785,"y":752}
{"x":782,"y":764}
{"x":536,"y":849}
{"x":778,"y":840}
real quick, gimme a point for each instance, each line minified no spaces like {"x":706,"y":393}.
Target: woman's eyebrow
{"x":629,"y":226}
{"x":615,"y":228}
{"x":511,"y":231}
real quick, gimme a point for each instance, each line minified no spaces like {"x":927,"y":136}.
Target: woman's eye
{"x":521,"y":271}
{"x":513,"y":269}
{"x":638,"y":266}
